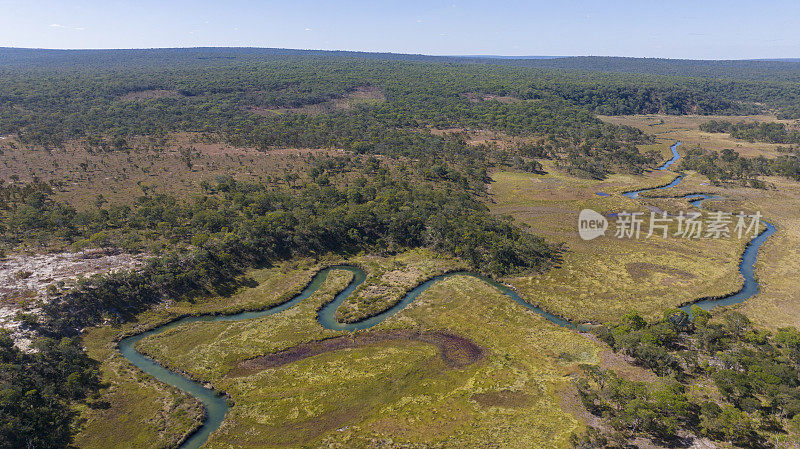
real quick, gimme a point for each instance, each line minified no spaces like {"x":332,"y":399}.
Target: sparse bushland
{"x":719,"y":377}
{"x":728,"y":165}
{"x":754,"y":131}
{"x":422,"y":190}
{"x":213,"y":240}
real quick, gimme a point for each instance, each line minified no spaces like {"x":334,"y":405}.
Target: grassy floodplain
{"x":778,"y":303}
{"x":602,"y":279}
{"x":132,"y":398}
{"x":686,"y":128}
{"x":510,"y":398}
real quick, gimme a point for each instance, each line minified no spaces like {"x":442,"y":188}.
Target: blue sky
{"x":699,"y":29}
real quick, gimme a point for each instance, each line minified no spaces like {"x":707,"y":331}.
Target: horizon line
{"x":481,"y":56}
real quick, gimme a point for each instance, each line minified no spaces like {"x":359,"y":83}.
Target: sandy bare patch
{"x":24,"y":280}
{"x":29,"y":275}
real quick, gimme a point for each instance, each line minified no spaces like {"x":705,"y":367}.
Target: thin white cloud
{"x":56,"y":25}
{"x":308,"y":29}
{"x":80,"y":28}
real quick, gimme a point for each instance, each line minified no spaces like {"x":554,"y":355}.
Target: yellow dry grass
{"x":686,"y":128}
{"x":175,"y":165}
{"x":400,"y":392}
{"x":778,"y":265}
{"x":602,"y":279}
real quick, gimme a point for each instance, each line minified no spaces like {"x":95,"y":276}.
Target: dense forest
{"x":207,"y":244}
{"x":266,"y":105}
{"x":218,"y":94}
{"x":770,"y":70}
{"x":606,"y":85}
{"x":37,"y":391}
{"x":410,"y":179}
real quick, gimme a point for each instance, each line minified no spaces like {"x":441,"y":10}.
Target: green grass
{"x":389,"y":278}
{"x":778,"y":303}
{"x":602,"y":279}
{"x":394,"y":391}
{"x":134,"y":410}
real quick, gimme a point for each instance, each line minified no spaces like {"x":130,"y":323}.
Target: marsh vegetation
{"x":236,"y":175}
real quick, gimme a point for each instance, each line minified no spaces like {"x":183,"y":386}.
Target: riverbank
{"x":520,"y":345}
{"x":211,"y":348}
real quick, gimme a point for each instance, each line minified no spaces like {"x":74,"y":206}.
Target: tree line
{"x":217,"y":94}
{"x":754,"y":131}
{"x":208,"y":243}
{"x":728,"y":165}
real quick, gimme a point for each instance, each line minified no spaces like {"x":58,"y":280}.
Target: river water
{"x":216,"y":406}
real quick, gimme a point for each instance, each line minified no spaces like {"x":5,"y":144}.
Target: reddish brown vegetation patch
{"x":309,"y":109}
{"x":475,"y":137}
{"x":455,"y":351}
{"x":367,"y":93}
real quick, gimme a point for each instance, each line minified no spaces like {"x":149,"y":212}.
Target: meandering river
{"x":216,"y":406}
{"x":747,"y":265}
